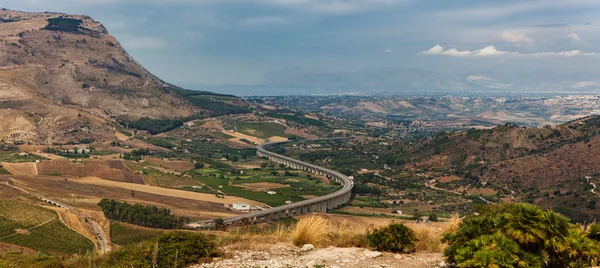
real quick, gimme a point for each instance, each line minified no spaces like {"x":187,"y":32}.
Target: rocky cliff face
{"x":64,"y":74}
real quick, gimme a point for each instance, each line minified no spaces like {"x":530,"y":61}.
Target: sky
{"x":228,"y":42}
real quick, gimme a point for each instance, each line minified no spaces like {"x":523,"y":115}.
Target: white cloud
{"x":583,"y":84}
{"x":491,"y":51}
{"x":576,"y":39}
{"x":515,"y":38}
{"x":478,"y":78}
{"x":389,"y":51}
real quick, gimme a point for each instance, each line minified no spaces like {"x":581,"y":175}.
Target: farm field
{"x":12,"y":157}
{"x":106,"y":169}
{"x":253,"y":184}
{"x":124,"y":234}
{"x":262,"y":130}
{"x":166,"y":192}
{"x":154,"y":177}
{"x":177,"y":165}
{"x":39,"y":229}
{"x":24,"y":169}
{"x":86,"y":196}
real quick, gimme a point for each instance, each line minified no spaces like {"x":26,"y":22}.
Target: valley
{"x":104,"y":164}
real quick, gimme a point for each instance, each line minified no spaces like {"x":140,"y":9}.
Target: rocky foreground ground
{"x":281,"y":255}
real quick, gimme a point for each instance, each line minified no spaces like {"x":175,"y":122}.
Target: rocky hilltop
{"x":63,"y":77}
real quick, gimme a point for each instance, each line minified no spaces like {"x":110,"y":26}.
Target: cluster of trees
{"x":63,"y":24}
{"x":148,"y":216}
{"x":211,"y":102}
{"x":136,"y":155}
{"x":218,"y":108}
{"x":365,"y":189}
{"x":5,"y":147}
{"x":154,"y":126}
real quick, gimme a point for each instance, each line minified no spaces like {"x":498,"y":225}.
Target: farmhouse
{"x":271,"y":192}
{"x":241,"y":207}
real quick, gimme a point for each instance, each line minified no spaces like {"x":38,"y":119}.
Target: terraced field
{"x":39,"y":229}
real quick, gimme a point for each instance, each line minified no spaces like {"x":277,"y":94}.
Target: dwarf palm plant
{"x":523,"y":236}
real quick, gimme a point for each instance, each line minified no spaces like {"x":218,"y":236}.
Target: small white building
{"x":271,"y":192}
{"x":288,"y":202}
{"x":240,"y":207}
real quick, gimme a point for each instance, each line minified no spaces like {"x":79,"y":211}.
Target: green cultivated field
{"x":124,"y":234}
{"x":12,"y":157}
{"x":262,"y":130}
{"x":39,"y":229}
{"x":231,"y":185}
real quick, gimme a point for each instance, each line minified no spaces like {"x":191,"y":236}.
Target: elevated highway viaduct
{"x":317,"y":204}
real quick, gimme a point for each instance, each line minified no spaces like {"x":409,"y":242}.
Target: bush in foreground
{"x":174,"y":249}
{"x":310,"y":230}
{"x":520,"y":235}
{"x":395,"y":237}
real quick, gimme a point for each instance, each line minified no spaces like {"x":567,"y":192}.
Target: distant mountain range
{"x":404,"y":80}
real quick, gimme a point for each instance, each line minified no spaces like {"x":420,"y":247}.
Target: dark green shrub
{"x":594,"y":232}
{"x":395,"y":237}
{"x":523,"y":236}
{"x":174,"y":249}
{"x":64,"y":24}
{"x":495,"y":250}
{"x":179,"y":249}
{"x":149,"y":216}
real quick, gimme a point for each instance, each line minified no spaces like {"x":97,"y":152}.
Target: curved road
{"x":321,"y":203}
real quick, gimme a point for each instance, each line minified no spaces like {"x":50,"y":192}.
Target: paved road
{"x":592,"y":184}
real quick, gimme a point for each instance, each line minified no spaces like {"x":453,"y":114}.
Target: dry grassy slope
{"x":42,"y":77}
{"x":521,"y":157}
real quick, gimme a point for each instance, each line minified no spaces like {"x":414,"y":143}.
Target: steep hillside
{"x":63,"y":74}
{"x":550,"y":166}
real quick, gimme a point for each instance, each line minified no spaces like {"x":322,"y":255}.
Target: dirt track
{"x":167,"y":192}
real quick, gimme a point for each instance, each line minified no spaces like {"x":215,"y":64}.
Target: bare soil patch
{"x":450,"y":178}
{"x":22,"y":169}
{"x":300,"y":133}
{"x":178,"y":165}
{"x":120,"y":136}
{"x":481,"y":191}
{"x":142,"y":144}
{"x":262,"y":186}
{"x":277,"y":139}
{"x":14,"y":249}
{"x":22,"y":231}
{"x":238,"y":136}
{"x":106,"y":169}
{"x":50,"y":156}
